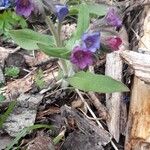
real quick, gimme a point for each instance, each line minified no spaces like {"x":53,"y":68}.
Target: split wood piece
{"x":116,"y":107}
{"x":138,"y":129}
{"x":94,"y":136}
{"x":113,"y":101}
{"x":139,"y":115}
{"x":139,"y":62}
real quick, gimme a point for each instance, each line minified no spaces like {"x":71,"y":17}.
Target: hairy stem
{"x":57,"y":37}
{"x":52,"y":29}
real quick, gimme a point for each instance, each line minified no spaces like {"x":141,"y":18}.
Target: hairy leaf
{"x":28,"y":39}
{"x":83,"y":20}
{"x":59,"y":52}
{"x":88,"y":81}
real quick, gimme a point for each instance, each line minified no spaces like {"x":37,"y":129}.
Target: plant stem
{"x":52,"y":29}
{"x":59,"y":33}
{"x":62,"y":62}
{"x":57,"y":37}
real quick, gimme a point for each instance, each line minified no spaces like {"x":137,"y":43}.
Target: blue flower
{"x":61,"y":11}
{"x":4,"y":4}
{"x":91,"y":41}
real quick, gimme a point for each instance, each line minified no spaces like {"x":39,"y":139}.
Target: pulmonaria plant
{"x":80,"y":50}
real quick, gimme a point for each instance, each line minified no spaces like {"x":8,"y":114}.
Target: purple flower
{"x":91,"y":41}
{"x":24,"y":7}
{"x":61,"y":11}
{"x":113,"y":19}
{"x":81,"y":57}
{"x":114,"y":42}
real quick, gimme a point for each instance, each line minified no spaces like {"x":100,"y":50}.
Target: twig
{"x":90,"y":110}
{"x":102,"y":110}
{"x":94,"y":116}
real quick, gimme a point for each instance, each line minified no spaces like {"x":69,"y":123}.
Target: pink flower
{"x":113,"y":42}
{"x":81,"y":57}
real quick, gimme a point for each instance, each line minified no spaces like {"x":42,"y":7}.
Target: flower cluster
{"x":82,"y":56}
{"x":26,"y":7}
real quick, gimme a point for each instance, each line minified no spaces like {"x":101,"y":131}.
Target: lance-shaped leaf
{"x":83,"y":20}
{"x":28,"y":39}
{"x":88,"y":81}
{"x":59,"y":52}
{"x":97,"y":9}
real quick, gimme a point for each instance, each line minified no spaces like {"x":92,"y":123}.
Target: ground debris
{"x":89,"y":135}
{"x":23,"y":115}
{"x":2,"y":77}
{"x":24,"y":85}
{"x":4,"y":141}
{"x":41,"y":143}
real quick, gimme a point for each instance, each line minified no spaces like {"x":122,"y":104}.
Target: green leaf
{"x":24,"y":132}
{"x":6,"y":114}
{"x":83,"y":20}
{"x":10,"y":20}
{"x":60,"y":52}
{"x":2,"y":98}
{"x":28,"y":39}
{"x":12,"y":71}
{"x":88,"y":81}
{"x":97,"y":9}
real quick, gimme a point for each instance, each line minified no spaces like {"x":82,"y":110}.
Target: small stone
{"x":24,"y":114}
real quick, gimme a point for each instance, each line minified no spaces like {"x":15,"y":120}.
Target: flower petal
{"x":81,"y":57}
{"x":91,"y":41}
{"x":24,"y":7}
{"x":114,"y":42}
{"x":61,"y":11}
